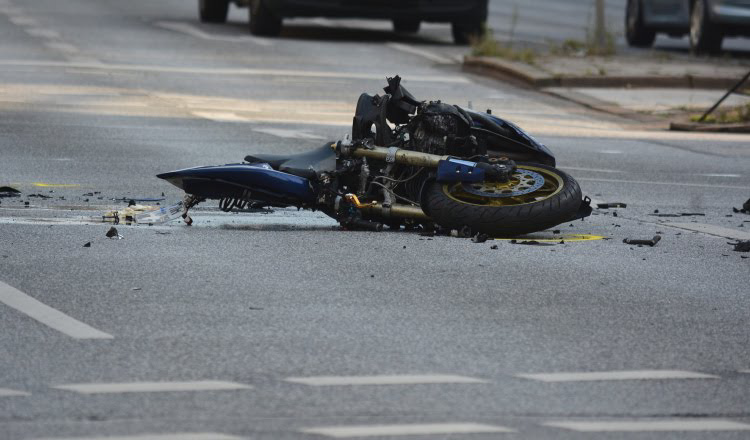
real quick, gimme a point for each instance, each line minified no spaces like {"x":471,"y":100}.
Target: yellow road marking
{"x":56,"y":185}
{"x":558,"y":238}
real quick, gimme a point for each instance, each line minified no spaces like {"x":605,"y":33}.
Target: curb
{"x":503,"y":69}
{"x":710,"y":128}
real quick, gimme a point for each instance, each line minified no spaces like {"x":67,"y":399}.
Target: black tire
{"x":559,"y":207}
{"x":213,"y":11}
{"x":636,"y":32}
{"x":705,"y":37}
{"x":406,"y":26}
{"x":262,"y":20}
{"x":466,"y":32}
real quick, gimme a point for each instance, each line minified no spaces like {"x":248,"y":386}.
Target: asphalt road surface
{"x":278,"y":325}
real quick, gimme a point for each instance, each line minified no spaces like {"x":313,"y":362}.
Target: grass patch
{"x":734,"y":115}
{"x":487,"y":46}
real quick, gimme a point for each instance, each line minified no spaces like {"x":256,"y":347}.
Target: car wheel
{"x":262,"y":20}
{"x":213,"y":11}
{"x":705,"y":37}
{"x":406,"y":26}
{"x":636,"y":32}
{"x":465,"y":32}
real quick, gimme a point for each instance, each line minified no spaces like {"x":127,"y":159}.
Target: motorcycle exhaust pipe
{"x":399,"y":156}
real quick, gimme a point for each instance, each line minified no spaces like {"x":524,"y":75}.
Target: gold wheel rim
{"x":553,"y":184}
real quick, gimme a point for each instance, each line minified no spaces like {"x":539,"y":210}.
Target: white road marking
{"x":395,"y":430}
{"x":421,"y":53}
{"x":14,"y":298}
{"x":193,"y":31}
{"x":375,"y":76}
{"x":617,"y":375}
{"x":42,"y":33}
{"x":174,"y":436}
{"x":596,"y":170}
{"x":405,"y":379}
{"x":648,"y":182}
{"x":5,"y":392}
{"x":735,"y":176}
{"x":718,"y":231}
{"x":221,"y":116}
{"x":151,"y":387}
{"x":288,"y":133}
{"x":652,"y":425}
{"x":611,"y":151}
{"x":23,"y":21}
{"x":744,"y":371}
{"x":62,"y":47}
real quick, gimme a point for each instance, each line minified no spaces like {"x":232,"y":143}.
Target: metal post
{"x":601,"y":34}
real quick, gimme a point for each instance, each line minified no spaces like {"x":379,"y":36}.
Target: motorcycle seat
{"x":308,"y":164}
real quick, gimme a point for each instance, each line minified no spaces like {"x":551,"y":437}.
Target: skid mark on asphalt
{"x":404,"y":379}
{"x":616,"y":375}
{"x":151,"y":387}
{"x":48,"y":316}
{"x":677,"y":424}
{"x":407,"y":429}
{"x":718,"y":231}
{"x":6,"y":392}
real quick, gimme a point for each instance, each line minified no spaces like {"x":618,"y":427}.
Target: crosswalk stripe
{"x":174,"y":436}
{"x":150,"y":387}
{"x":617,"y":375}
{"x":651,"y":425}
{"x":6,"y":392}
{"x":403,"y":379}
{"x":409,"y":429}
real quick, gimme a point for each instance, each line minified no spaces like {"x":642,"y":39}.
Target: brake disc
{"x":528,"y":182}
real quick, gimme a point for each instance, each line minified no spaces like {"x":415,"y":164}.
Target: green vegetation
{"x":487,"y":46}
{"x":734,"y":115}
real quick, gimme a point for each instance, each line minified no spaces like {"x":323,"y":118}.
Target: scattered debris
{"x":611,"y":205}
{"x":479,"y":238}
{"x":745,"y":208}
{"x":651,"y":242}
{"x":134,"y":200}
{"x":556,"y":231}
{"x":656,"y":211}
{"x":614,"y":214}
{"x":88,"y":244}
{"x":494,"y":246}
{"x":7,"y":191}
{"x":41,"y":196}
{"x":136,"y":288}
{"x":741,"y":246}
{"x":682,"y":214}
{"x":112,"y":233}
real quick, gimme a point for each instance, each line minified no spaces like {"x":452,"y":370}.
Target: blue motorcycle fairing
{"x":258,"y":182}
{"x":543,"y":154}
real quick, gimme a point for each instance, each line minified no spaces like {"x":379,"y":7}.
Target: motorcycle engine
{"x":442,"y":129}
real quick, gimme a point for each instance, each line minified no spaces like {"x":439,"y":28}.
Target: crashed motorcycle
{"x":416,"y":164}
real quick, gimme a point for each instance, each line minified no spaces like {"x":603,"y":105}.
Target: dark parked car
{"x":707,"y":22}
{"x":467,"y":17}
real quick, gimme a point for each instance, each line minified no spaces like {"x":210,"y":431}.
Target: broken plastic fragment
{"x":651,"y":242}
{"x":611,"y":205}
{"x":741,"y":246}
{"x":112,"y":233}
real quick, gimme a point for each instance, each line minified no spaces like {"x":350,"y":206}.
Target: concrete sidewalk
{"x":649,"y":88}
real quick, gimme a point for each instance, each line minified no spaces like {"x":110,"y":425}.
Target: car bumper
{"x":433,"y":10}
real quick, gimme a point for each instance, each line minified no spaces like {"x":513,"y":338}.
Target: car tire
{"x":636,"y":32}
{"x":213,"y":11}
{"x":705,"y":37}
{"x":465,"y":32}
{"x":262,"y":20}
{"x":406,"y":26}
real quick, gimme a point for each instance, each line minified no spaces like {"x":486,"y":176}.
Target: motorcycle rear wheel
{"x":520,"y":206}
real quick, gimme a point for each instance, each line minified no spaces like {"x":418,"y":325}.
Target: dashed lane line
{"x":221,"y":116}
{"x":616,"y":375}
{"x":55,"y":319}
{"x":649,"y":182}
{"x":42,"y":33}
{"x":173,"y":436}
{"x":745,"y":371}
{"x":431,"y":56}
{"x":20,"y":20}
{"x":5,"y":392}
{"x":335,"y":74}
{"x":193,"y":31}
{"x":402,"y":379}
{"x":151,"y":387}
{"x":288,"y":133}
{"x":409,"y":429}
{"x":636,"y":425}
{"x":718,"y":231}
